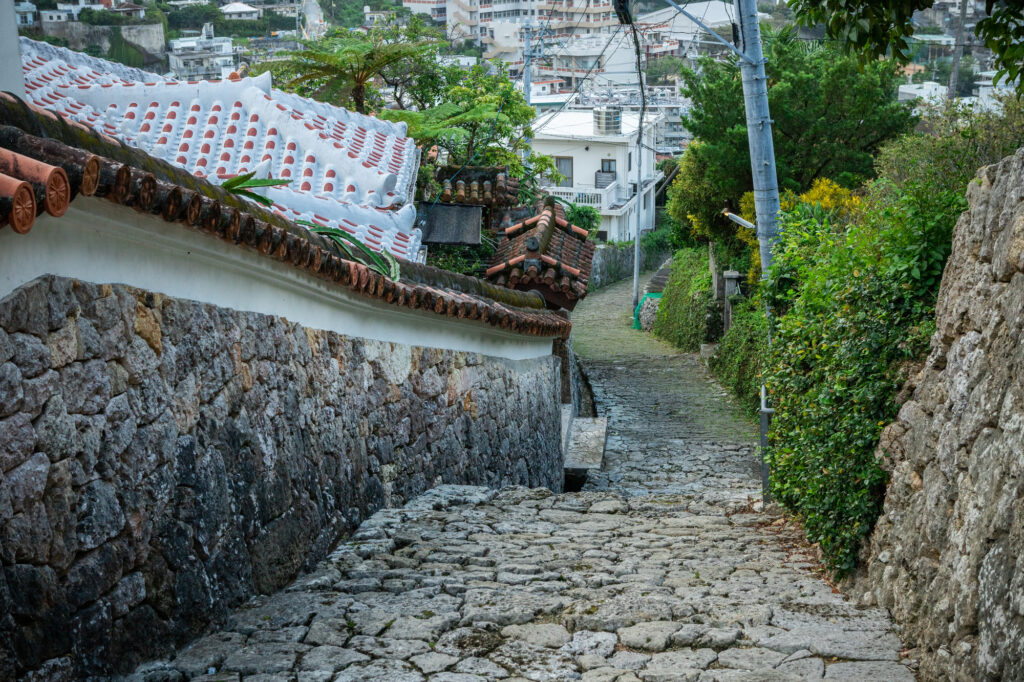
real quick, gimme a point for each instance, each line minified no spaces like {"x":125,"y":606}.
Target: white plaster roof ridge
{"x":347,"y":170}
{"x":238,"y":7}
{"x":330,"y":111}
{"x":109,"y":71}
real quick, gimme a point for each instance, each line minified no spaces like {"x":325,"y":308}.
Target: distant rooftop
{"x":573,"y":124}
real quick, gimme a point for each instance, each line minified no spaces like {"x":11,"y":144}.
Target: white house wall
{"x":100,"y":242}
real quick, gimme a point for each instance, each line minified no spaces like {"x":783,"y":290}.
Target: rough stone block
{"x":17,"y":440}
{"x":27,"y":481}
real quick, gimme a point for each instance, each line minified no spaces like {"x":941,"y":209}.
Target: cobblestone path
{"x":660,"y":570}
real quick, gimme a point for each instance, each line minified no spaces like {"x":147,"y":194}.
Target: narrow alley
{"x":662,"y":569}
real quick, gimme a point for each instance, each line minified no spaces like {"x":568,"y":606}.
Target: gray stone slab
{"x":587,"y":443}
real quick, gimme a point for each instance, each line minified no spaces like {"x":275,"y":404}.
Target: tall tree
{"x":340,"y":67}
{"x":480,"y":118}
{"x":877,"y":28}
{"x":831,"y":115}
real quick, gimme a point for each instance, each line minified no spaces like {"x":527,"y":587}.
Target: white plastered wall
{"x":100,"y":242}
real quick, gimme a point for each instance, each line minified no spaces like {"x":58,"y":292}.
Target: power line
{"x":579,"y":85}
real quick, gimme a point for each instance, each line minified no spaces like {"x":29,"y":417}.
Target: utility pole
{"x":639,"y":211}
{"x":954,"y":74}
{"x":759,"y":131}
{"x":527,"y":55}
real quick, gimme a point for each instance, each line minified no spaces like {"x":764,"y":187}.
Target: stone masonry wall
{"x":613,"y":263}
{"x":947,"y":556}
{"x":162,"y":460}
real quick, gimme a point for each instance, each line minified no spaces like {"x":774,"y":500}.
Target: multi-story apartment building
{"x":436,"y":10}
{"x":668,"y":33}
{"x":202,"y":57}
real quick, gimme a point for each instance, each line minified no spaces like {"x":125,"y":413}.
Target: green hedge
{"x":743,"y":353}
{"x":686,"y":316}
{"x":855,"y":305}
{"x":858,"y":307}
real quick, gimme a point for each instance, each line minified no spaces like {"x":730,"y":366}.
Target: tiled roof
{"x":38,"y":174}
{"x":483,"y":185}
{"x":347,"y":170}
{"x":547,"y":254}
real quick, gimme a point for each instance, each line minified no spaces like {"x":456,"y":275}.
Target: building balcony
{"x":603,"y":199}
{"x":614,"y":199}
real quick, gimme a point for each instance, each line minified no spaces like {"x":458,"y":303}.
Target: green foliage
{"x":340,"y":68}
{"x":951,"y":144}
{"x":382,"y":262}
{"x":880,"y":28}
{"x":856,"y":306}
{"x":102,"y":17}
{"x":694,"y":201}
{"x":742,"y":353}
{"x":830,"y":115}
{"x":192,"y":16}
{"x":467,"y":260}
{"x":350,"y":14}
{"x":420,"y":80}
{"x":587,"y":217}
{"x":479,"y":118}
{"x":685,"y":315}
{"x":662,"y":240}
{"x":121,"y":51}
{"x":853,"y":291}
{"x":660,"y":71}
{"x":241,"y":185}
{"x":53,"y":40}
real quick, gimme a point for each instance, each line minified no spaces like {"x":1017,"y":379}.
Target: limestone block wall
{"x":613,"y":263}
{"x":947,"y":556}
{"x":161,"y":460}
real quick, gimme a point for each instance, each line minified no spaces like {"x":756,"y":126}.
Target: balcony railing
{"x":588,"y":195}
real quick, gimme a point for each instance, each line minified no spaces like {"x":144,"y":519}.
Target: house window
{"x":607,"y":165}
{"x":563,"y":164}
{"x":629,"y":162}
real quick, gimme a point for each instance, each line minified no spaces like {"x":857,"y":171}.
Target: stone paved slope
{"x":658,"y":571}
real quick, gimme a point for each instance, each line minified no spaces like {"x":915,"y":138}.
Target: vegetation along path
{"x":659,"y":570}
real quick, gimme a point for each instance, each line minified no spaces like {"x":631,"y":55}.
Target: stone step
{"x":586,"y":444}
{"x":567,"y":419}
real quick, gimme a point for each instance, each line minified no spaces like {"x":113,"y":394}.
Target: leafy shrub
{"x":743,"y":353}
{"x":659,"y":241}
{"x":853,"y":288}
{"x":856,"y":306}
{"x":686,"y":315}
{"x":587,"y":217}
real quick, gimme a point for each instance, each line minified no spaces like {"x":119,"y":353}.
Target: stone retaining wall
{"x":162,"y":460}
{"x":613,"y":263}
{"x":946,"y":555}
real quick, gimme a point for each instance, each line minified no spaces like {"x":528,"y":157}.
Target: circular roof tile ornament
{"x":90,"y":176}
{"x":23,"y":208}
{"x":58,"y":193}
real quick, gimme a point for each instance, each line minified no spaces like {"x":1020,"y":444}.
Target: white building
{"x":25,"y":14}
{"x":75,"y":7}
{"x":596,"y":153}
{"x":436,"y":10}
{"x":498,"y":24}
{"x":669,"y":33}
{"x":670,"y":137}
{"x":240,"y":10}
{"x":929,"y":91}
{"x":603,"y":60}
{"x":202,"y":57}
